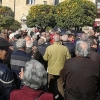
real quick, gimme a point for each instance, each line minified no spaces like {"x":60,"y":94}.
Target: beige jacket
{"x":56,"y":54}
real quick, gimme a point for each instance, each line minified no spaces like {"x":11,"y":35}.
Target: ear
{"x":2,"y":54}
{"x":21,"y":74}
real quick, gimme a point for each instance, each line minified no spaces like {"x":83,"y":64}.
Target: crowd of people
{"x":49,"y":65}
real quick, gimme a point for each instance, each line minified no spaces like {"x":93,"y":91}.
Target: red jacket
{"x":26,"y":93}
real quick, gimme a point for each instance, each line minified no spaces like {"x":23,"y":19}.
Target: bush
{"x":15,"y":26}
{"x":41,"y":15}
{"x":6,"y":17}
{"x":75,"y":13}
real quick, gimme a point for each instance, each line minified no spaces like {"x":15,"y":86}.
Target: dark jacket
{"x":38,"y":56}
{"x":18,"y":60}
{"x":41,"y":49}
{"x":82,"y":79}
{"x":94,"y":55}
{"x":70,"y":47}
{"x":6,"y":82}
{"x":46,"y":44}
{"x":26,"y":93}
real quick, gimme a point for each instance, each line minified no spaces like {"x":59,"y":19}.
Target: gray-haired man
{"x":19,"y":57}
{"x":81,"y":75}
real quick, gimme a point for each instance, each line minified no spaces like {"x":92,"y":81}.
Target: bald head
{"x":27,"y":38}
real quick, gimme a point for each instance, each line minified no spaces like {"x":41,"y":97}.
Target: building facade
{"x":21,"y":7}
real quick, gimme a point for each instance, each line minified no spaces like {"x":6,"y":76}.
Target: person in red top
{"x":34,"y":78}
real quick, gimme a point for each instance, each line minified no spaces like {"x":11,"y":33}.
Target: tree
{"x":41,"y":15}
{"x":6,"y":17}
{"x":15,"y":26}
{"x":75,"y":13}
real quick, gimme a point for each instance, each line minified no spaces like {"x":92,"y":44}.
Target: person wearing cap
{"x":6,"y":76}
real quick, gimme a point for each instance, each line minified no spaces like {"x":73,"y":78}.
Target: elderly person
{"x":34,"y":78}
{"x":6,"y":76}
{"x":84,"y":37}
{"x":69,"y":45}
{"x":56,"y":54}
{"x":41,"y":47}
{"x":29,"y":44}
{"x":19,"y":57}
{"x":81,"y":75}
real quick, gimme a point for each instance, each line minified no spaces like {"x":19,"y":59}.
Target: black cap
{"x":17,"y":36}
{"x":4,"y":43}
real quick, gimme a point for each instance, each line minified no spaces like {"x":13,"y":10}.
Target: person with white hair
{"x":29,"y":44}
{"x":81,"y":75}
{"x":68,"y":44}
{"x":84,"y":37}
{"x":34,"y":78}
{"x":56,"y":54}
{"x":19,"y":58}
{"x":34,"y":39}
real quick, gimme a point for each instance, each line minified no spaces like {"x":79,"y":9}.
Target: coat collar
{"x":57,"y":43}
{"x":26,"y":88}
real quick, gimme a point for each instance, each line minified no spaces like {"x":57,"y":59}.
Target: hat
{"x":17,"y":36}
{"x":4,"y":43}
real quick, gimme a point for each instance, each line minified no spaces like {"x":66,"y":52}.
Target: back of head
{"x":27,"y":38}
{"x":40,"y":41}
{"x":35,"y":75}
{"x":64,"y":37}
{"x":84,"y":37}
{"x":29,"y":44}
{"x":68,"y":32}
{"x":91,"y":40}
{"x":82,"y":48}
{"x":56,"y":38}
{"x":48,"y":39}
{"x":20,"y":43}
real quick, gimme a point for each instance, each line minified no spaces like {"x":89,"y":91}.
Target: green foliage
{"x":41,"y":15}
{"x":67,"y":14}
{"x":6,"y":17}
{"x":75,"y":13}
{"x":15,"y":26}
{"x":48,"y":29}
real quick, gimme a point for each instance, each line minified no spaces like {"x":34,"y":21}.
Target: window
{"x":30,"y":1}
{"x":98,"y":6}
{"x":45,"y":2}
{"x":56,"y":2}
{"x":0,"y":1}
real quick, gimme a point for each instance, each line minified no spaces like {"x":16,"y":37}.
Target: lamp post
{"x":14,"y":7}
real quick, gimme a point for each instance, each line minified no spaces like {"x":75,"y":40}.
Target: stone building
{"x":21,"y":7}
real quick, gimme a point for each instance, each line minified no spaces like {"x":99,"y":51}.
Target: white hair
{"x":65,"y":37}
{"x":82,"y":48}
{"x":20,"y":43}
{"x":35,"y":75}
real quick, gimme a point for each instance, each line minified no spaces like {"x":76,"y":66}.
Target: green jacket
{"x":56,"y":54}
